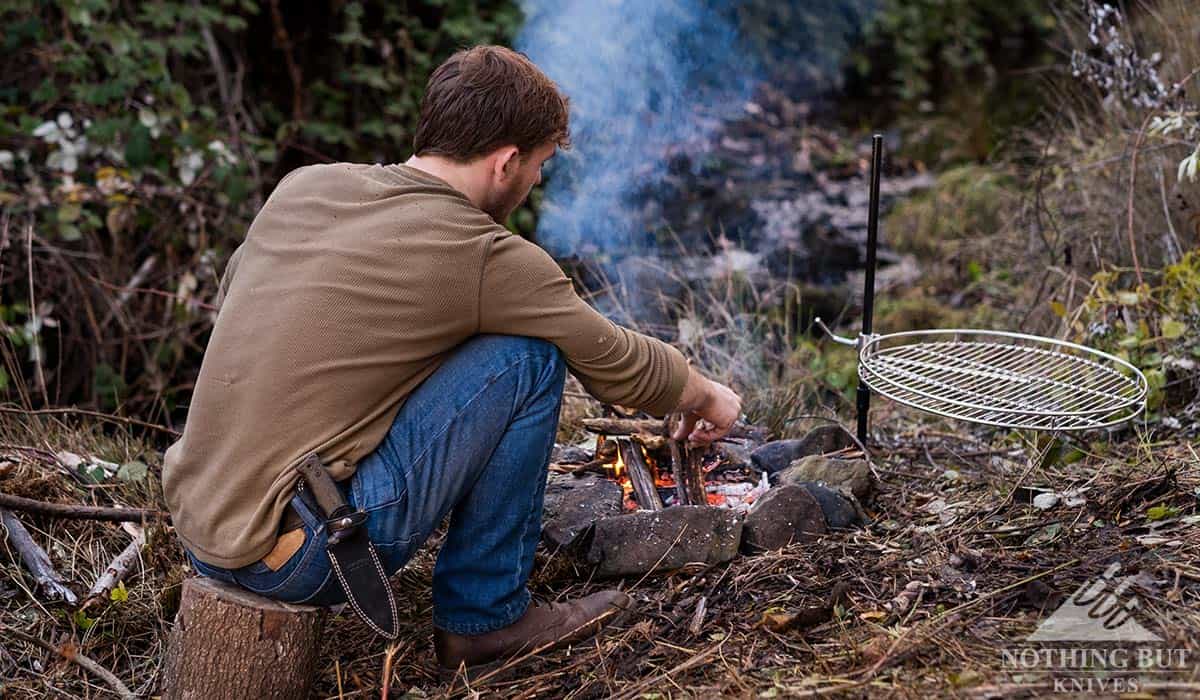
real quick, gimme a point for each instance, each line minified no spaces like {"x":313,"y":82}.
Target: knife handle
{"x":324,"y":490}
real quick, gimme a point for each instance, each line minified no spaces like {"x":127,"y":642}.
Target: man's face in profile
{"x":525,"y":171}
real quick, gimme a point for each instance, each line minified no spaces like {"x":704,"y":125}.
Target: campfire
{"x":635,"y":500}
{"x":656,"y":472}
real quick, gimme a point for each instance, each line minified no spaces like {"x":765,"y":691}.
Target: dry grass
{"x":952,"y":524}
{"x":1104,"y":188}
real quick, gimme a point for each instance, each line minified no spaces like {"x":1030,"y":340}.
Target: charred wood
{"x":687,"y":465}
{"x":640,"y":475}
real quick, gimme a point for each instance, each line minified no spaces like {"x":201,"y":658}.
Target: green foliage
{"x":119,"y":594}
{"x":834,"y":366}
{"x":1161,"y":512}
{"x":139,"y":140}
{"x":941,"y":45}
{"x":135,"y":470}
{"x":801,"y":44}
{"x":953,"y":220}
{"x":82,"y":621}
{"x":947,"y":65}
{"x":1156,"y":327}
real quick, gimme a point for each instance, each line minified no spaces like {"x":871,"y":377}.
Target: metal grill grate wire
{"x":1003,"y":379}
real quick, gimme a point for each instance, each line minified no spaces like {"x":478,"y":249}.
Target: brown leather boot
{"x":544,"y":626}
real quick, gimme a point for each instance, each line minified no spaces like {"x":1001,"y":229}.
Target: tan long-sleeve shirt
{"x":353,"y":284}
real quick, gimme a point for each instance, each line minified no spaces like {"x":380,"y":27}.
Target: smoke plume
{"x":651,"y":79}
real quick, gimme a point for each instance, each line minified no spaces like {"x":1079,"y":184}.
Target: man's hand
{"x":709,"y":410}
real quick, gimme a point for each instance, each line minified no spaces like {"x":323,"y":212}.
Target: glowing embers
{"x":648,"y":469}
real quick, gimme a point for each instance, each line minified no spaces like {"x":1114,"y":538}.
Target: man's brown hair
{"x":486,"y":97}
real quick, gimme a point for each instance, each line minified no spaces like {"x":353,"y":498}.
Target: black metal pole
{"x":864,"y":394}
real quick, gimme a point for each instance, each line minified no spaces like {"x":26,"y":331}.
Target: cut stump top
{"x":236,"y":595}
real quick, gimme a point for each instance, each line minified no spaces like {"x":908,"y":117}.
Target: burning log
{"x":606,"y":450}
{"x":651,"y":443}
{"x":688,"y":467}
{"x":640,"y":475}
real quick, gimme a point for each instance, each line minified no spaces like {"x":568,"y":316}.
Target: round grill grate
{"x":1003,"y":379}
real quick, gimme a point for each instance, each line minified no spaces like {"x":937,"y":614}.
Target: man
{"x":380,"y":319}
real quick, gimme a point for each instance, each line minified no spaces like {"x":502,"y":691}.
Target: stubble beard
{"x":505,"y":203}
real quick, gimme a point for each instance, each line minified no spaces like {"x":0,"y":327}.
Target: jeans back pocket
{"x":302,"y":575}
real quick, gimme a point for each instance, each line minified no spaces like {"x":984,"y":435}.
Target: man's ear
{"x":506,"y":162}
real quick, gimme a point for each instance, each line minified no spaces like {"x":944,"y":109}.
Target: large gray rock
{"x":776,"y":456}
{"x":840,"y":512}
{"x":781,"y":516}
{"x":734,"y":452}
{"x":851,"y":475}
{"x":635,"y":543}
{"x":573,"y":503}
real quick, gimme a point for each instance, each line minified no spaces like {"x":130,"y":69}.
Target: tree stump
{"x":230,"y":643}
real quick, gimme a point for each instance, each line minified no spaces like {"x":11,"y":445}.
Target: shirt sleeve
{"x":524,"y":292}
{"x":227,"y":277}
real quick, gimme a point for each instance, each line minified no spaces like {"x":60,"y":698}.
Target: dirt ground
{"x":957,"y":566}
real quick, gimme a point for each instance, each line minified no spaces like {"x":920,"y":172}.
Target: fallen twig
{"x":91,"y":414}
{"x":118,"y":569}
{"x":36,"y":560}
{"x":388,"y":657}
{"x":74,"y":512}
{"x":936,"y":623}
{"x":72,"y":654}
{"x":654,"y":426}
{"x":636,"y":689}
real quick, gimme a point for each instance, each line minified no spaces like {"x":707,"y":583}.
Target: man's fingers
{"x":705,"y":432}
{"x":686,"y":426}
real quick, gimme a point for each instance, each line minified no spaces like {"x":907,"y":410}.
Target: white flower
{"x":6,"y":160}
{"x":149,"y":120}
{"x":61,"y":133}
{"x":189,"y":163}
{"x":223,"y":153}
{"x":48,"y":132}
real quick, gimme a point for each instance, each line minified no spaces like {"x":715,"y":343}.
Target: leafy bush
{"x":1155,"y":326}
{"x":945,"y":69}
{"x":966,"y":202}
{"x":139,"y":140}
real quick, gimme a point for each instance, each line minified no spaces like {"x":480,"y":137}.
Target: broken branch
{"x":653,"y":426}
{"x":74,"y":512}
{"x":72,"y":654}
{"x":119,"y":568}
{"x":36,"y":560}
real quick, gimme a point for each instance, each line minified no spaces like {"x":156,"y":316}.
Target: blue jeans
{"x":473,"y":441}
